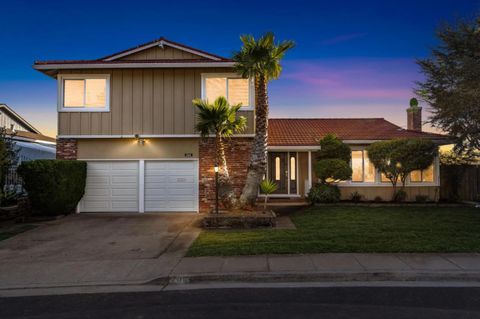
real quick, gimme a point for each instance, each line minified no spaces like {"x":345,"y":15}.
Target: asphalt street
{"x":336,"y":302}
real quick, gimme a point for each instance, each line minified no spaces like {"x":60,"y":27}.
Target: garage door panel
{"x":122,"y":180}
{"x":171,"y":186}
{"x":111,"y":186}
{"x":114,"y":186}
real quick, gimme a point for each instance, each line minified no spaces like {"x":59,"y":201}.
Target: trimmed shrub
{"x":378,"y":199}
{"x":400,"y":196}
{"x":323,"y":193}
{"x":54,"y":186}
{"x":356,"y":197}
{"x":333,"y":147}
{"x":421,"y":198}
{"x":333,"y":170}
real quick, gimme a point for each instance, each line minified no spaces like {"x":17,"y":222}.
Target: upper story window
{"x":236,"y":89}
{"x":84,"y":93}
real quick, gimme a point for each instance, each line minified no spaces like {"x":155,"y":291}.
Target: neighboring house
{"x":130,"y":116}
{"x":30,"y":142}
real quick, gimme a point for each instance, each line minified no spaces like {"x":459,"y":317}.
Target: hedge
{"x":54,"y":187}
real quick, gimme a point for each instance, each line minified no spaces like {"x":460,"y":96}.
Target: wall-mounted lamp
{"x":140,"y":141}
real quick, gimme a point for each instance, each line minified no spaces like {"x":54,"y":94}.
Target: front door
{"x":278,"y":171}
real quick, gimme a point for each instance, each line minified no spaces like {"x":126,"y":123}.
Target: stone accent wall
{"x":414,"y":119}
{"x":238,"y":156}
{"x":67,"y":148}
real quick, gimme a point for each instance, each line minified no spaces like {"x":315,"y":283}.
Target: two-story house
{"x":130,"y":116}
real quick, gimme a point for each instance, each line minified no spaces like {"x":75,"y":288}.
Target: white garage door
{"x":171,"y":186}
{"x":111,"y":187}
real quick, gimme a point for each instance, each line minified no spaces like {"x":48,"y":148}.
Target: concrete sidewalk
{"x":174,"y":268}
{"x":329,"y":267}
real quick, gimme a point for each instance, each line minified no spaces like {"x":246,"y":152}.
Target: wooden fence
{"x":460,"y":182}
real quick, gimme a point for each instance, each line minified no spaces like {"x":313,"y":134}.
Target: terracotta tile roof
{"x":307,"y":132}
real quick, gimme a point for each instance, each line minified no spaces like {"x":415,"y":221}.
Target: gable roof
{"x":17,"y":118}
{"x":120,"y":59}
{"x":307,"y":132}
{"x":163,"y":42}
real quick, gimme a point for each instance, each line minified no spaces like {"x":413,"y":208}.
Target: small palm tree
{"x":220,"y":119}
{"x":267,"y":187}
{"x":259,"y":59}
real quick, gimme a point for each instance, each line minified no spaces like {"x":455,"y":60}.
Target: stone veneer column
{"x":67,"y":148}
{"x":237,"y":151}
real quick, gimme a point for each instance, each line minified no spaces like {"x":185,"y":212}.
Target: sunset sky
{"x":352,"y":58}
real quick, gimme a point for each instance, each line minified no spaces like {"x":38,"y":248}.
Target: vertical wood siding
{"x":157,"y":53}
{"x":144,"y":101}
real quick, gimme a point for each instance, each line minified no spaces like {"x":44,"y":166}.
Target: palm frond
{"x":261,"y":56}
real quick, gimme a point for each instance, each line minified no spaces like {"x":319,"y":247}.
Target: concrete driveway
{"x":97,"y":248}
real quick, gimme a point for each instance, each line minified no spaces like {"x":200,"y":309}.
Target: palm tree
{"x":259,"y":59}
{"x":220,"y":119}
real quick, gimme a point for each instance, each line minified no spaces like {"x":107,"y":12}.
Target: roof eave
{"x":87,"y":65}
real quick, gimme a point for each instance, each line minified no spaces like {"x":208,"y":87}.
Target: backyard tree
{"x":220,"y":119}
{"x":452,"y":86}
{"x":396,"y":159}
{"x":259,"y":59}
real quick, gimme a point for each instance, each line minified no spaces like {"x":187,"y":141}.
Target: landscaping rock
{"x":240,"y":220}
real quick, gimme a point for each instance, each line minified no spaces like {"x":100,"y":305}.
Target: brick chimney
{"x":414,"y":118}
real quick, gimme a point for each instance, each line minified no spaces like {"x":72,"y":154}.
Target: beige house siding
{"x":385,"y":192}
{"x":144,"y":101}
{"x":302,"y":172}
{"x":154,"y":148}
{"x":157,"y":53}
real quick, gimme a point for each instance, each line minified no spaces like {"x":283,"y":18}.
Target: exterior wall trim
{"x":144,"y":136}
{"x":293,"y":148}
{"x":71,"y":66}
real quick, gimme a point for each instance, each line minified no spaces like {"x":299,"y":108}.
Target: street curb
{"x":363,"y":276}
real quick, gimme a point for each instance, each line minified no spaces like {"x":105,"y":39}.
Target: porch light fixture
{"x":215,"y":168}
{"x":140,"y":141}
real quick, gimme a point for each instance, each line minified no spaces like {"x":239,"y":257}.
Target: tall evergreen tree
{"x":452,"y":84}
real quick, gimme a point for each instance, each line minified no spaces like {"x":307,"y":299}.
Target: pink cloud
{"x":350,"y":79}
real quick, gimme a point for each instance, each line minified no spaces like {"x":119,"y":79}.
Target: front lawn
{"x":354,"y":229}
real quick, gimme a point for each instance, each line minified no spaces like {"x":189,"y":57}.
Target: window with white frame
{"x":87,"y":93}
{"x":362,"y":169}
{"x":234,"y":88}
{"x":425,"y":175}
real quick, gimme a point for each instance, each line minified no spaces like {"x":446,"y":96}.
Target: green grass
{"x":354,"y":229}
{"x":14,"y":230}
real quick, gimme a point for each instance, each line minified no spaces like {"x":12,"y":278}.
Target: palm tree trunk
{"x":226,"y":193}
{"x":258,"y":157}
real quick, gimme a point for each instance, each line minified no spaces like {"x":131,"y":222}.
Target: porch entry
{"x":283,"y":170}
